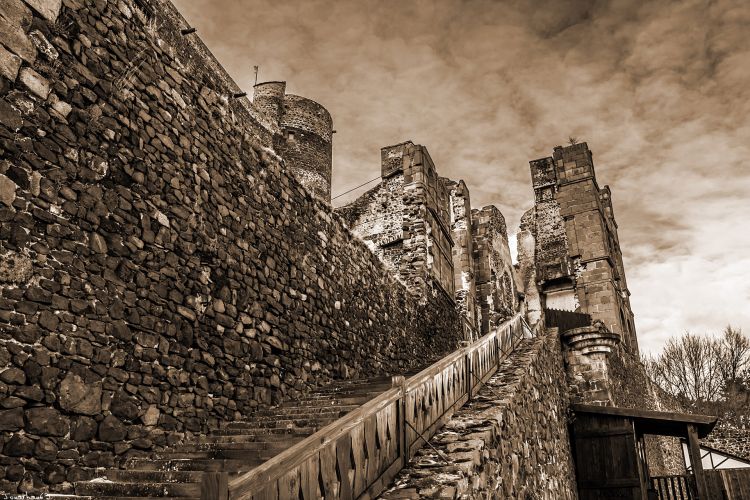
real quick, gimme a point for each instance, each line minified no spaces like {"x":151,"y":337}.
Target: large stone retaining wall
{"x":160,"y":270}
{"x":511,"y":441}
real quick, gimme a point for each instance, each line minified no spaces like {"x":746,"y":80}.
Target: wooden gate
{"x":607,"y":461}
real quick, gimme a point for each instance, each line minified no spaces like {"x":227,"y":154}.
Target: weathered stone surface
{"x":11,"y":420}
{"x":19,"y":445}
{"x":49,"y":9}
{"x":9,"y":64}
{"x":35,"y":82}
{"x":13,"y":375}
{"x":46,"y":422}
{"x":7,"y":190}
{"x":511,"y":441}
{"x":112,"y":429}
{"x":79,"y":397}
{"x":45,"y":449}
{"x":214,"y":285}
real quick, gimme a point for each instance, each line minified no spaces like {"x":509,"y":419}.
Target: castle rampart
{"x":168,"y":272}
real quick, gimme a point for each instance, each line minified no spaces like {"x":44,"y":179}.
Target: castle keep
{"x":183,"y":313}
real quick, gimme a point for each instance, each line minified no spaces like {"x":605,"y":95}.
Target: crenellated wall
{"x":161,"y":271}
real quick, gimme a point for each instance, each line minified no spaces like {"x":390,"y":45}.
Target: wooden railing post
{"x":467,"y":362}
{"x":215,"y":486}
{"x":399,"y":381}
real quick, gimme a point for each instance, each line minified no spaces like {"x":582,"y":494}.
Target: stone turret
{"x":305,"y":142}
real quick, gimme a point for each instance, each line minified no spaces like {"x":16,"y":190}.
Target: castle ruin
{"x":180,"y":305}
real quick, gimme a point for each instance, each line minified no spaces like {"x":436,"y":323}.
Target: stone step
{"x":99,"y":488}
{"x":316,"y":402}
{"x":296,"y":423}
{"x":231,"y":454}
{"x":277,"y":446}
{"x":300,"y":431}
{"x":212,"y":465}
{"x":252,"y":437}
{"x":297,"y":411}
{"x":260,"y":433}
{"x":152,"y":476}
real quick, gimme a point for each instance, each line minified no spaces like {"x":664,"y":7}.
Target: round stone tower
{"x":306,"y":131}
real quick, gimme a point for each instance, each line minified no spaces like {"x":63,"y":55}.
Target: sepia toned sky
{"x":659,"y":89}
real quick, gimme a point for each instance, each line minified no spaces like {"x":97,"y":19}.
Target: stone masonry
{"x":511,"y":441}
{"x":162,"y":271}
{"x":170,"y":263}
{"x":578,"y":259}
{"x":497,"y":295}
{"x":405,"y":219}
{"x":305,"y":141}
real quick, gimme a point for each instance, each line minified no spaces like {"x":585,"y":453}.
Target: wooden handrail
{"x":292,"y":457}
{"x":429,"y":400}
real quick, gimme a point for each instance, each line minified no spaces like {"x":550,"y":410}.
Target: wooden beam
{"x":696,"y":462}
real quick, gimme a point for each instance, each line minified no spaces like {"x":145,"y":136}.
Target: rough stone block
{"x":35,"y":82}
{"x":9,"y":64}
{"x":48,"y":9}
{"x":7,"y":190}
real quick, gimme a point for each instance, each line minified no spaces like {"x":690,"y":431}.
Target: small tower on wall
{"x":305,"y":142}
{"x":578,"y":262}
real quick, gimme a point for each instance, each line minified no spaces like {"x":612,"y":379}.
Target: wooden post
{"x":400,"y":381}
{"x":215,"y":486}
{"x":696,"y":462}
{"x":467,"y":361}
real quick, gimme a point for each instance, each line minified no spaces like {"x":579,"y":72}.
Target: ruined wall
{"x":411,"y":195}
{"x":578,"y":257}
{"x":526,"y":269}
{"x":632,"y":388}
{"x":497,"y":295}
{"x":730,"y":436}
{"x":511,"y":441}
{"x":161,"y":271}
{"x":463,"y":253}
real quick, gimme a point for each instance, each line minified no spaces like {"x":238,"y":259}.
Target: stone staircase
{"x":238,"y":447}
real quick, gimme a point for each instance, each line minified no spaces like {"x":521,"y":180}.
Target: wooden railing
{"x":358,"y":455}
{"x":674,"y":487}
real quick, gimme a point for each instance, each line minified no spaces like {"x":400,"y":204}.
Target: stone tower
{"x":305,"y":142}
{"x":578,"y":258}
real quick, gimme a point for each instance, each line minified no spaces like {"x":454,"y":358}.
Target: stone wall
{"x":632,"y":388}
{"x":160,"y":270}
{"x":463,"y":253}
{"x":406,"y":218}
{"x":305,"y":141}
{"x":578,"y":255}
{"x":511,"y":441}
{"x":497,"y":295}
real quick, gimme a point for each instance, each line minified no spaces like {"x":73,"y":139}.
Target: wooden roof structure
{"x":662,"y":423}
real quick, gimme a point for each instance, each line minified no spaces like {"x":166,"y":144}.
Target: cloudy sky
{"x":659,"y":89}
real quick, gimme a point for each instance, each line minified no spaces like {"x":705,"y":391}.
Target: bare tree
{"x":688,"y":368}
{"x":733,"y":355}
{"x":702,"y":369}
